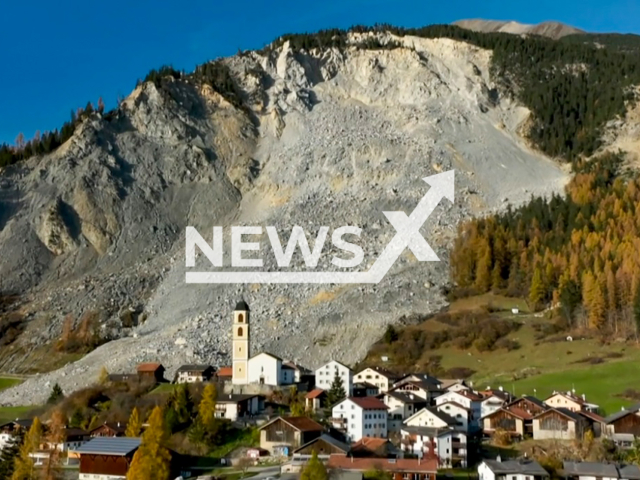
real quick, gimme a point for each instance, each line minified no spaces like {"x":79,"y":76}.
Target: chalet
{"x":109,"y":429}
{"x":515,"y":421}
{"x":399,"y":468}
{"x":73,"y":439}
{"x":432,"y":382}
{"x":151,"y":372}
{"x":521,"y":469}
{"x":430,"y":417}
{"x":493,"y":400}
{"x":282,"y":435}
{"x":194,"y":373}
{"x":529,"y":404}
{"x":324,"y":445}
{"x":377,"y":376}
{"x":401,"y":406}
{"x":596,"y":423}
{"x":449,"y":446}
{"x":421,"y":389}
{"x":626,"y":421}
{"x":315,"y":400}
{"x":603,"y":471}
{"x":453,"y":385}
{"x":237,"y":406}
{"x":570,"y":401}
{"x":559,"y":423}
{"x":468,"y":400}
{"x":364,"y":390}
{"x":10,"y":429}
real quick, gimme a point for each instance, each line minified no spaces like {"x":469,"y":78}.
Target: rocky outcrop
{"x":328,"y":137}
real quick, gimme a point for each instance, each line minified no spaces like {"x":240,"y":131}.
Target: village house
{"x":399,"y":468}
{"x":624,"y":422}
{"x":459,"y":413}
{"x":106,"y":457}
{"x":600,"y":471}
{"x":375,"y":448}
{"x":401,"y":406}
{"x":559,"y":424}
{"x":453,"y":385}
{"x":326,"y":374}
{"x":315,"y":400}
{"x":323,"y":446}
{"x":224,"y":374}
{"x":300,"y":373}
{"x":529,"y":404}
{"x":493,"y":400}
{"x":432,"y":382}
{"x":430,"y":417}
{"x":237,"y":406}
{"x":595,"y":422}
{"x":377,"y":376}
{"x":418,"y":388}
{"x":468,"y":400}
{"x":282,"y":435}
{"x":360,"y":417}
{"x":10,"y":429}
{"x":515,"y":421}
{"x":73,"y":439}
{"x":521,"y":469}
{"x":151,"y":372}
{"x":194,"y":373}
{"x":109,"y":429}
{"x":123,"y":377}
{"x":570,"y":401}
{"x":364,"y":390}
{"x":450,"y":446}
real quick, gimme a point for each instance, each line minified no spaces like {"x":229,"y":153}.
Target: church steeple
{"x":240,"y":344}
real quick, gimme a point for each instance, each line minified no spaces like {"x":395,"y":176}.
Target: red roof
{"x":368,"y":403}
{"x":315,"y":393}
{"x":469,"y":395}
{"x":149,"y":367}
{"x":520,"y":413}
{"x":409,"y":465}
{"x":593,"y":416}
{"x":225,"y":372}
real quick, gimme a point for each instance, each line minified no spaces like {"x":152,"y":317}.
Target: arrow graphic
{"x":407,"y":236}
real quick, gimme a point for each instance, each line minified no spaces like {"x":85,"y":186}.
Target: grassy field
{"x":541,"y":366}
{"x":11,"y":413}
{"x":240,"y":438}
{"x":6,"y":382}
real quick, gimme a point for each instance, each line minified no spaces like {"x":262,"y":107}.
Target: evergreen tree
{"x":134,"y":425}
{"x":77,"y":418}
{"x":336,"y":392}
{"x":314,"y":469}
{"x":56,"y":395}
{"x":152,"y":459}
{"x":24,"y":468}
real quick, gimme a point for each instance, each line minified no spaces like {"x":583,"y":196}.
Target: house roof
{"x":368,"y":403}
{"x":527,"y":467}
{"x":149,"y":367}
{"x":382,"y":371}
{"x":225,"y":372}
{"x":423,"y":431}
{"x":456,"y":404}
{"x":470,"y":395}
{"x":422,"y":377}
{"x":622,"y":413}
{"x":118,"y":427}
{"x":302,"y":424}
{"x":387,"y":464}
{"x":117,"y":446}
{"x":315,"y":393}
{"x":591,"y":415}
{"x":194,"y":368}
{"x":594,"y":469}
{"x":530,"y":399}
{"x":370,"y":444}
{"x":406,"y":397}
{"x":448,"y":419}
{"x":267,"y":354}
{"x":365,"y":385}
{"x":242,"y":306}
{"x":333,"y":361}
{"x":326,"y":438}
{"x":630,"y":472}
{"x":450,"y":382}
{"x":568,"y":396}
{"x":234,"y":397}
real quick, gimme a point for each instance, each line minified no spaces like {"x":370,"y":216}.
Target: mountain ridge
{"x":551,"y":29}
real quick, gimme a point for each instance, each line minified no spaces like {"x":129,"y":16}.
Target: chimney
{"x":229,"y":396}
{"x":118,"y":424}
{"x":500,"y":388}
{"x":584,"y":397}
{"x":498,"y":459}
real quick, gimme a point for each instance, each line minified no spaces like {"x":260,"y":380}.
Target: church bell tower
{"x":240,"y":344}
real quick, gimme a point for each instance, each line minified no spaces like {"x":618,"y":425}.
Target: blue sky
{"x":56,"y":56}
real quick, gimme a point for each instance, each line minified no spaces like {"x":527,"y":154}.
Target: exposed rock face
{"x":553,"y":30}
{"x":330,"y":138}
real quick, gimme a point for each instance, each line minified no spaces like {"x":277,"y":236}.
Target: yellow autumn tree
{"x":55,"y":435}
{"x":207,"y":406}
{"x":537,"y":290}
{"x":152,"y":459}
{"x":24,"y":468}
{"x":134,"y":425}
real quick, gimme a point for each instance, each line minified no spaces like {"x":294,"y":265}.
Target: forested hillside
{"x":579,"y":251}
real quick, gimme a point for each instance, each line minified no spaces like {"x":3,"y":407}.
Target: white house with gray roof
{"x":599,"y":471}
{"x":520,"y":469}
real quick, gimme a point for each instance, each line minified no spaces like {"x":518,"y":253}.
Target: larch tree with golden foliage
{"x":55,"y":435}
{"x":24,"y":469}
{"x":152,"y":459}
{"x":134,"y":425}
{"x":207,"y":406}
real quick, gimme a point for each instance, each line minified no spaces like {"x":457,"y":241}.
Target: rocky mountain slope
{"x":330,"y":137}
{"x":553,"y":30}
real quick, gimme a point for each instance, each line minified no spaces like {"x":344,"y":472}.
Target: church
{"x":263,"y":368}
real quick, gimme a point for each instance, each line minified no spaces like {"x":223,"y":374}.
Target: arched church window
{"x":239,"y":331}
{"x":241,"y":318}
